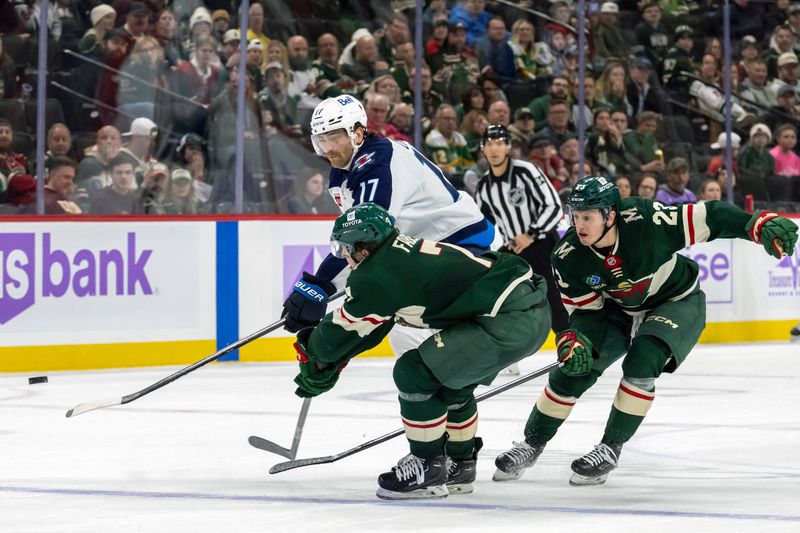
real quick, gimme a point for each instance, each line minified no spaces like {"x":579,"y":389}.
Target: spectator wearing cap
{"x":641,"y":145}
{"x":255,"y":60}
{"x":302,"y":79}
{"x":221,"y":22}
{"x":447,"y":146}
{"x":787,"y":72}
{"x":674,"y":192}
{"x":200,"y":28}
{"x":103,"y":18}
{"x":786,"y":111}
{"x":495,"y":53}
{"x":608,"y":38}
{"x":749,"y":51}
{"x":651,"y":33}
{"x":155,"y":197}
{"x":94,"y":170}
{"x":717,"y":163}
{"x":678,"y":60}
{"x":255,"y":28}
{"x":183,"y":196}
{"x":136,"y":23}
{"x":119,"y":197}
{"x":755,"y":87}
{"x":784,"y":43}
{"x":105,"y":81}
{"x":230,"y":48}
{"x":280,"y":109}
{"x":165,"y":34}
{"x":522,"y":130}
{"x":438,"y":38}
{"x":793,"y":18}
{"x":471,"y":14}
{"x":191,"y":156}
{"x":755,"y":160}
{"x":11,"y":163}
{"x":641,"y":94}
{"x":539,"y":106}
{"x":141,"y":140}
{"x":59,"y":188}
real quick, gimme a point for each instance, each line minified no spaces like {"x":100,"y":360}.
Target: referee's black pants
{"x":538,"y":256}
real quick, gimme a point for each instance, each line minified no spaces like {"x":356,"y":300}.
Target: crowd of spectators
{"x":142,"y":112}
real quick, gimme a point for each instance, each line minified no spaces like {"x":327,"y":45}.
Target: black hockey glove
{"x":314,"y":378}
{"x":305,"y":306}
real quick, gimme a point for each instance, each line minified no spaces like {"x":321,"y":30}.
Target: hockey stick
{"x":289,"y":465}
{"x":269,"y":446}
{"x":110,"y":402}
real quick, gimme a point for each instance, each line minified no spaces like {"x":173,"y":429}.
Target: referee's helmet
{"x":495,"y":131}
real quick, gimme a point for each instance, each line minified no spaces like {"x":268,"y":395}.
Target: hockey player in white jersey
{"x":394,"y":175}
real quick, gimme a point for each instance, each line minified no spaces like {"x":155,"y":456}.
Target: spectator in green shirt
{"x":755,"y":160}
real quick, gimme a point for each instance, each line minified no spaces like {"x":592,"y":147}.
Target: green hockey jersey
{"x":675,"y":62}
{"x":643,"y":269}
{"x":420,"y":283}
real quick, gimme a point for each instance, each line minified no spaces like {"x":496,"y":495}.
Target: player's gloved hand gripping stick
{"x":110,"y":402}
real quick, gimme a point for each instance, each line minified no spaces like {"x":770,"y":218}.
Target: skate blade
{"x":461,"y":488}
{"x":578,"y":480}
{"x":500,"y":475}
{"x":432,"y":492}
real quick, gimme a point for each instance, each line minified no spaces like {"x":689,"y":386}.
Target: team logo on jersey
{"x":630,"y":215}
{"x":595,"y":281}
{"x":516,"y":196}
{"x":629,"y":292}
{"x":363,"y":160}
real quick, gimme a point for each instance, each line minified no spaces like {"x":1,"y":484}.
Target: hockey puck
{"x":37,"y":379}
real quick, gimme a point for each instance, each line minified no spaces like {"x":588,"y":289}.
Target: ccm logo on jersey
{"x":663,"y":320}
{"x":310,"y":291}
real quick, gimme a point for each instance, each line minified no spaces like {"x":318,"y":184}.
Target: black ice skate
{"x":594,"y":467}
{"x":513,"y":463}
{"x":462,"y":472}
{"x":795,"y":333}
{"x":415,"y":477}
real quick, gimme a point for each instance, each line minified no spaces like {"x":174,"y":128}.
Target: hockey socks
{"x":631,"y":404}
{"x":550,"y":411}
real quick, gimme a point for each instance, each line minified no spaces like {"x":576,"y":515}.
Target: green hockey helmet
{"x":595,"y":192}
{"x":363,"y":223}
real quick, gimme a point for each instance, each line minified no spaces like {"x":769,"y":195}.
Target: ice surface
{"x":719,"y":451}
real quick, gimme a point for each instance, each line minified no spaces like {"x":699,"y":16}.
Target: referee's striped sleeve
{"x":549,"y":212}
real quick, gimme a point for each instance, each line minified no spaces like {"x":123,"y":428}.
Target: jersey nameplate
{"x":404,"y":242}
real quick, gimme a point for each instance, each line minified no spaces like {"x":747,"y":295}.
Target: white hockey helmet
{"x":341,"y":112}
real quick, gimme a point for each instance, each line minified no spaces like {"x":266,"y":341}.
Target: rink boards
{"x":102,"y":293}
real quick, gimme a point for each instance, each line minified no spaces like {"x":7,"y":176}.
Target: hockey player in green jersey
{"x":628,"y":294}
{"x":490,"y":310}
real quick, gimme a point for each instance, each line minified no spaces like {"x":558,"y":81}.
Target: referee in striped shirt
{"x":525,"y":208}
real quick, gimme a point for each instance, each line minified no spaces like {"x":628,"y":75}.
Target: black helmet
{"x":495,"y":131}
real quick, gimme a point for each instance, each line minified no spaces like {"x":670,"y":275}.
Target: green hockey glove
{"x":315,"y":378}
{"x":575,"y":351}
{"x":777,"y":234}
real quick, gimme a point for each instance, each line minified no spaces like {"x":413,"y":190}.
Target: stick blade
{"x":298,"y":463}
{"x":91,"y":406}
{"x":269,"y":446}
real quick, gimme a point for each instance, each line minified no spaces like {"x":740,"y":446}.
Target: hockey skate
{"x":462,"y":472}
{"x":795,"y":334}
{"x":415,"y":477}
{"x":513,"y":463}
{"x":594,"y":467}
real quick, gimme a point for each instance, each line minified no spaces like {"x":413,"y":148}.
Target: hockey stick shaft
{"x":290,"y":465}
{"x":269,"y":446}
{"x":91,"y":406}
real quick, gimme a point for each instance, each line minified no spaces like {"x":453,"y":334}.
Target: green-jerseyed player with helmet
{"x":629,"y":294}
{"x":491,"y":310}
